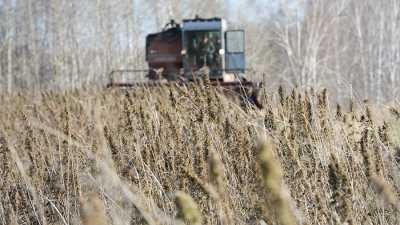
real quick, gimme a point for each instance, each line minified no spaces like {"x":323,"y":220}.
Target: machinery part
{"x":247,"y":91}
{"x":179,"y":55}
{"x":163,"y":50}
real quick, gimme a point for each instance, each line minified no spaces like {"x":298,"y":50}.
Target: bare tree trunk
{"x":336,"y":46}
{"x":34,"y":63}
{"x":9,"y":47}
{"x":379,"y":73}
{"x":394,"y":46}
{"x":10,"y":65}
{"x":100,"y":32}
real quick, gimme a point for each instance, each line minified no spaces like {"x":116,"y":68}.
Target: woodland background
{"x":349,"y":46}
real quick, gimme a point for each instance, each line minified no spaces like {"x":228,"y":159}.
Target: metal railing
{"x":119,"y":78}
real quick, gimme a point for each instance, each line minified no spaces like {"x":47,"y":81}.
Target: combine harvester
{"x":181,"y":54}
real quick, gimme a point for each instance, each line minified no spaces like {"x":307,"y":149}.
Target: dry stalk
{"x":188,"y":211}
{"x":272,"y":179}
{"x":92,"y":210}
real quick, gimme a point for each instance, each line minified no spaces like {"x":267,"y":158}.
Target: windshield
{"x":203,"y":50}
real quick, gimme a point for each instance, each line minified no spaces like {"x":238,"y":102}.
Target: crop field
{"x":190,"y":155}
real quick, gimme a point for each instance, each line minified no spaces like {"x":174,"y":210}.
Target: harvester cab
{"x":206,"y":43}
{"x":186,"y":51}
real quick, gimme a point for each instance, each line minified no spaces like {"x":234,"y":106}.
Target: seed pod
{"x":92,"y":210}
{"x":188,"y":212}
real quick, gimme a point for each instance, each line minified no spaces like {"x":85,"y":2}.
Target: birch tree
{"x":9,"y":45}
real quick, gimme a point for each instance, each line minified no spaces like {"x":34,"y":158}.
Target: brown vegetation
{"x":174,"y":155}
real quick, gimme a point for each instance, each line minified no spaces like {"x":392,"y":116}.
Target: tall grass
{"x":171,"y":155}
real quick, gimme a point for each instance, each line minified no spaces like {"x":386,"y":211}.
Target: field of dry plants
{"x":188,"y":155}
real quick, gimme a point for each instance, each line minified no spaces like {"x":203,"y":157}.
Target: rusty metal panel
{"x":163,"y":51}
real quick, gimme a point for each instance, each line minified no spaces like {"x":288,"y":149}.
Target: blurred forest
{"x":349,"y":46}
